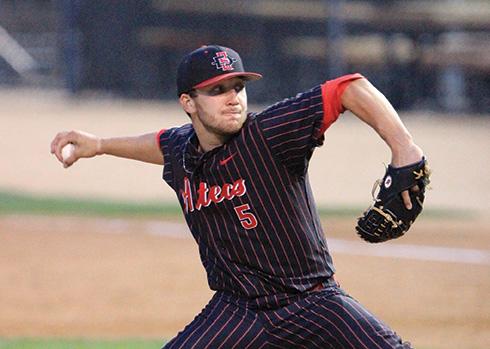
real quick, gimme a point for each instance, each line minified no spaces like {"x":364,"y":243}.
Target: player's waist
{"x":276,"y":300}
{"x":324,"y":284}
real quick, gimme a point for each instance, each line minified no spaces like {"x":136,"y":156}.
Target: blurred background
{"x":430,"y":55}
{"x":98,"y":255}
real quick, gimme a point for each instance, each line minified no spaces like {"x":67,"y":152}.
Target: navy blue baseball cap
{"x":208,"y":65}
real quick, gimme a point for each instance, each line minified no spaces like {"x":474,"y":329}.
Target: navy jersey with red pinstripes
{"x":248,"y":203}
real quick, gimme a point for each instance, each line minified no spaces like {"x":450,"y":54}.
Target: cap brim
{"x":245,"y":75}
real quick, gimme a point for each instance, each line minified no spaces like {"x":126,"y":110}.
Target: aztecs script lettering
{"x":206,"y":195}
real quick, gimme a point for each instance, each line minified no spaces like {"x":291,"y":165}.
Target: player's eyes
{"x":221,"y":88}
{"x":217,"y":90}
{"x":238,"y":87}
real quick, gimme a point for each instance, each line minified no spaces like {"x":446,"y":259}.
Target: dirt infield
{"x":69,"y":276}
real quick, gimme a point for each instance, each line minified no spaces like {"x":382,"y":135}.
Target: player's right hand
{"x":86,"y":146}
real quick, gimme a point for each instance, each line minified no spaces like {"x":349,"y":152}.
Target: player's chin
{"x":230,"y":129}
{"x":234,"y":116}
{"x":233,"y":124}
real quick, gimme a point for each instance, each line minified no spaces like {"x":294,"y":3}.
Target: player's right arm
{"x":143,"y":148}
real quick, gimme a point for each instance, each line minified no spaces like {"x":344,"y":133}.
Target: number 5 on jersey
{"x":247,"y":219}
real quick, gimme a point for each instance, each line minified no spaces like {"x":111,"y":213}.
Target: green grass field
{"x":80,"y":344}
{"x":23,"y":203}
{"x":29,"y":343}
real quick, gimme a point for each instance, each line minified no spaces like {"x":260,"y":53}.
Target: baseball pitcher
{"x":242,"y":181}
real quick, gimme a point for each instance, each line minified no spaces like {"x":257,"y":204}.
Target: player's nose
{"x":232,"y":97}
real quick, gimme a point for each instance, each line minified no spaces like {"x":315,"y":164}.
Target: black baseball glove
{"x":388,"y":218}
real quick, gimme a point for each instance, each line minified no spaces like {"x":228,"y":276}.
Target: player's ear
{"x":187,"y":103}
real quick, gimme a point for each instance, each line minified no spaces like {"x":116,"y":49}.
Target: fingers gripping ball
{"x":67,"y":151}
{"x":388,"y":218}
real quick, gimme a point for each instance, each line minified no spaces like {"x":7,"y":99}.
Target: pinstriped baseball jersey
{"x":248,"y":203}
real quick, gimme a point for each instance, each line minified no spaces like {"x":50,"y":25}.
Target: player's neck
{"x":208,"y":141}
{"x":208,"y":137}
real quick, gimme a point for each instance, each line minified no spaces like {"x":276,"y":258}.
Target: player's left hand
{"x":392,"y":214}
{"x":405,"y":156}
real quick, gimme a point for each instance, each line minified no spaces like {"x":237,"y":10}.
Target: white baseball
{"x":67,"y":151}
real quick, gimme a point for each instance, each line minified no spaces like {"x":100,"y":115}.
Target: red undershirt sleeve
{"x":158,"y":136}
{"x":332,"y":91}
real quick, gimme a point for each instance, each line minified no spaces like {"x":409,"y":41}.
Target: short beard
{"x":220,"y":131}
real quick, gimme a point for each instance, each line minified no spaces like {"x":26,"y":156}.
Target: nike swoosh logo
{"x":225,"y":160}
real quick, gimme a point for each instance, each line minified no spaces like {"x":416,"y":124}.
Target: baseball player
{"x":242,"y":181}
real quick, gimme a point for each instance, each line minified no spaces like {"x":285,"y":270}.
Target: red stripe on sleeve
{"x":157,"y":138}
{"x":332,"y":91}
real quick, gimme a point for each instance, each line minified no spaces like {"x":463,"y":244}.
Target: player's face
{"x":221,"y":108}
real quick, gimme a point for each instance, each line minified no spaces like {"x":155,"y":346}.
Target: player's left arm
{"x":372,"y":107}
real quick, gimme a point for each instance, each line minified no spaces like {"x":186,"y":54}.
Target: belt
{"x":321,"y":285}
